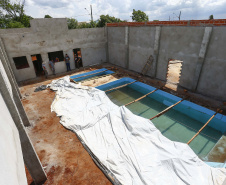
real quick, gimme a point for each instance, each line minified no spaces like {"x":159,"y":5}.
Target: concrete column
{"x":156,"y":51}
{"x":127,"y":46}
{"x":106,"y":47}
{"x":9,"y":66}
{"x":31,"y":159}
{"x":202,"y":54}
{"x":16,"y":96}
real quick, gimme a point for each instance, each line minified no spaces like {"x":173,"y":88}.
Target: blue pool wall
{"x":216,"y":165}
{"x":188,"y":108}
{"x":89,"y":73}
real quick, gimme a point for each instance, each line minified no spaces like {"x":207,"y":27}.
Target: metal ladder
{"x":147,"y":66}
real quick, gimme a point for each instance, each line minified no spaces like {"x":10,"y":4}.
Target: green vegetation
{"x":139,"y":16}
{"x":12,"y":15}
{"x":47,"y":16}
{"x":107,"y":19}
{"x":92,"y":24}
{"x":73,"y":23}
{"x":210,"y":17}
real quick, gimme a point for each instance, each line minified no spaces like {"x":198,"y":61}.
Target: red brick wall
{"x":213,"y":22}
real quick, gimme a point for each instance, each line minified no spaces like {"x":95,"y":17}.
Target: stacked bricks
{"x":213,"y":22}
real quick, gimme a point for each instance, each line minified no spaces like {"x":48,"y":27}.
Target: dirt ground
{"x":62,"y":155}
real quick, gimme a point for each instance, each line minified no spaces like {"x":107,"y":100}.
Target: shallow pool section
{"x":91,"y":75}
{"x":180,"y":123}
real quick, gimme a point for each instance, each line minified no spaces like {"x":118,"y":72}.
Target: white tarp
{"x":129,"y":146}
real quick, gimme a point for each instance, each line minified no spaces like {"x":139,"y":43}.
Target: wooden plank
{"x":167,"y":109}
{"x":120,"y":86}
{"x":141,"y":97}
{"x":202,"y":128}
{"x":89,"y":74}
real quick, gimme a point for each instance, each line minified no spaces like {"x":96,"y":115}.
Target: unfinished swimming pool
{"x":91,"y":75}
{"x":180,"y":123}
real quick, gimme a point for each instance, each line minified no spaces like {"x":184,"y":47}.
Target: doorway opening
{"x":78,"y":61}
{"x":174,"y":71}
{"x":37,"y":62}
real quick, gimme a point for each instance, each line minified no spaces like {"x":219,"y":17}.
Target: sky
{"x":155,"y":9}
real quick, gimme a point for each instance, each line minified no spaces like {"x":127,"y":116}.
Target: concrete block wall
{"x":213,"y":76}
{"x":180,"y":43}
{"x":213,"y":22}
{"x":117,"y":46}
{"x":47,"y":35}
{"x":141,"y":46}
{"x":129,"y":44}
{"x":200,"y":46}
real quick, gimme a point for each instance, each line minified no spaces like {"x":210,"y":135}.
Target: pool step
{"x":218,"y":152}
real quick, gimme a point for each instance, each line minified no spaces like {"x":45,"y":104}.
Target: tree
{"x":93,"y":24}
{"x":72,"y":23}
{"x":12,"y":15}
{"x":107,"y":19}
{"x":139,"y":16}
{"x":14,"y":24}
{"x":84,"y":25}
{"x":210,"y":17}
{"x":47,"y":16}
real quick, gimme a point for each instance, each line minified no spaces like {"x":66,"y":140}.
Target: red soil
{"x":62,"y":155}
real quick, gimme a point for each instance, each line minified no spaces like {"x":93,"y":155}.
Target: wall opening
{"x":57,"y":56}
{"x":78,"y":57}
{"x":37,"y":62}
{"x":21,"y":62}
{"x":174,"y":71}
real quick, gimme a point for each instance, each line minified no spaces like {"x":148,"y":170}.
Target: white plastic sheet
{"x":130,"y":147}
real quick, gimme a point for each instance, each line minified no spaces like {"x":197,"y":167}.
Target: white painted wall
{"x":12,"y":171}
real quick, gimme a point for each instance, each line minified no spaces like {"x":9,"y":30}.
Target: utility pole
{"x":91,"y":13}
{"x":178,"y":16}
